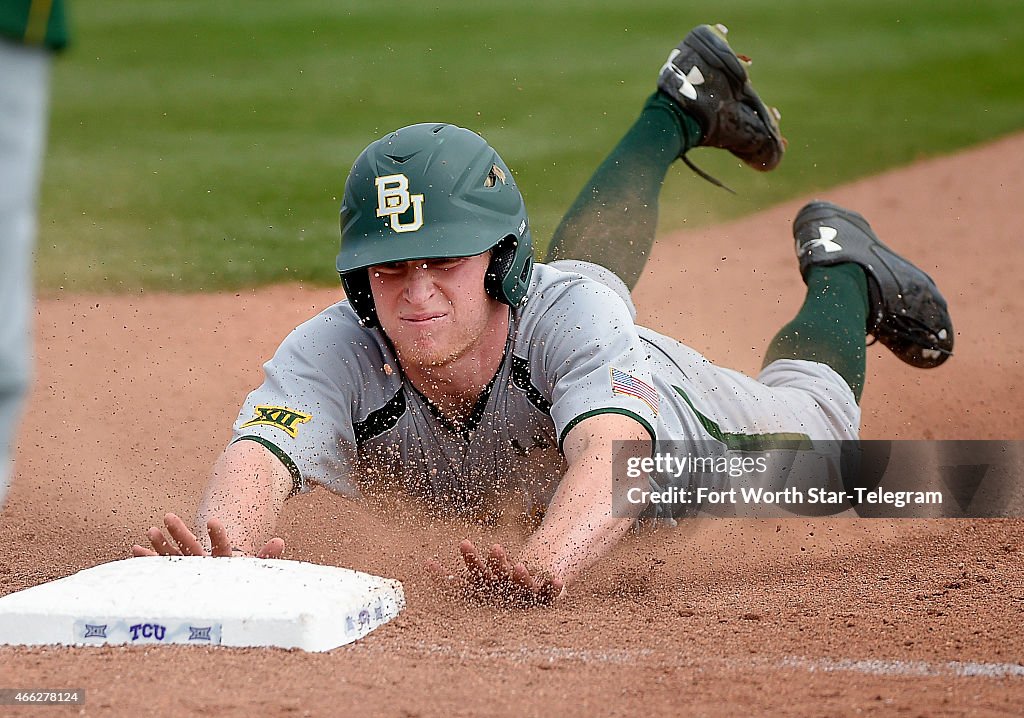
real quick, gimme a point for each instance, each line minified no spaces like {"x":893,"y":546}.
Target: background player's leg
{"x":829,"y":328}
{"x":24,"y":83}
{"x":613,"y":220}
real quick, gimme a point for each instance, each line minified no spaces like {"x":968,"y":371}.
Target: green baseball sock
{"x":830,"y":326}
{"x":613,"y":220}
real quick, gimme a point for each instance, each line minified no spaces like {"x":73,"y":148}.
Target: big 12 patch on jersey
{"x":280,"y":417}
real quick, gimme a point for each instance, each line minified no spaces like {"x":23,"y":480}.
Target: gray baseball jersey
{"x":337,"y":410}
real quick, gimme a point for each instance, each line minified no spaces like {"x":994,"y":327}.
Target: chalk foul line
{"x":553,"y":654}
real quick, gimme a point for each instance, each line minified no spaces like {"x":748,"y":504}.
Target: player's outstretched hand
{"x":184,"y":543}
{"x":494,"y":577}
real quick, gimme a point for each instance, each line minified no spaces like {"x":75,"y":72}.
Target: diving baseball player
{"x":460,"y":371}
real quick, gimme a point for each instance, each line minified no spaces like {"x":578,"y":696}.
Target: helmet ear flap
{"x":357,"y":288}
{"x":508,"y":274}
{"x":502,"y":257}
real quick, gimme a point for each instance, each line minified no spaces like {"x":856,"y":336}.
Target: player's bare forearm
{"x":581,"y":525}
{"x":246,"y":492}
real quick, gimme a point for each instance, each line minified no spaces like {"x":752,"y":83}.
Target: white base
{"x":202,"y":601}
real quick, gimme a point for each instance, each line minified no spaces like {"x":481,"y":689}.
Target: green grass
{"x":199,"y":146}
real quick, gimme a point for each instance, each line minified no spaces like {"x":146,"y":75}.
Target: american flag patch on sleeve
{"x":626,"y":383}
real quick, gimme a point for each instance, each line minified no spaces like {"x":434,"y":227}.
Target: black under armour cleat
{"x":709,"y":81}
{"x":908,"y":314}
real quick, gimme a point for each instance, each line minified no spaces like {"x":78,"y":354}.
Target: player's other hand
{"x":494,"y":577}
{"x":184,"y":543}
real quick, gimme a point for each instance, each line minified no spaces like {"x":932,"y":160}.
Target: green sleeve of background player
{"x":35,"y":22}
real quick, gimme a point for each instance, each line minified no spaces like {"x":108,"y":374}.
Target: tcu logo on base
{"x":148,"y":630}
{"x":394,"y":200}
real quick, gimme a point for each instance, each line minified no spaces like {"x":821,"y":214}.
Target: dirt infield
{"x":135,"y":396}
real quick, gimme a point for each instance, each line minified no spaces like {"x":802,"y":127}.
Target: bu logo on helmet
{"x":394,"y":200}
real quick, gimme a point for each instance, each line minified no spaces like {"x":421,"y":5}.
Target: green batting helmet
{"x":432,"y":191}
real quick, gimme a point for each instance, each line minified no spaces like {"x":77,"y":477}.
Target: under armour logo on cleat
{"x":687,"y":81}
{"x":825,"y":240}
